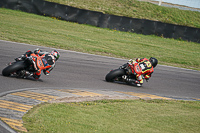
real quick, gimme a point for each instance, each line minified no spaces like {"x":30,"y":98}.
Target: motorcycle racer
{"x":41,"y":60}
{"x":145,"y":69}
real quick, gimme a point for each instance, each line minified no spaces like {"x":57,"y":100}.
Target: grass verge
{"x":115,"y":116}
{"x":39,"y":30}
{"x":138,"y":9}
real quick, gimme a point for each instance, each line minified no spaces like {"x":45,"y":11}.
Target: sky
{"x":190,"y":3}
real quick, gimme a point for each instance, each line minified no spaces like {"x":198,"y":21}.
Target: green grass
{"x":138,"y":9}
{"x":39,"y":30}
{"x":115,"y":116}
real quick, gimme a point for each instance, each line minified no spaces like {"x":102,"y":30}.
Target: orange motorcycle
{"x":26,"y":66}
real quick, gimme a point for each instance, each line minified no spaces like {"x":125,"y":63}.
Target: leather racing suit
{"x":145,"y":69}
{"x":42,"y":61}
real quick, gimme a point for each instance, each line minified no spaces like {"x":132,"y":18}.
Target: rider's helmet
{"x":56,"y":54}
{"x":153,"y":61}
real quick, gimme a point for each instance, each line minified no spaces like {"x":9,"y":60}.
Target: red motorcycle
{"x":125,"y":73}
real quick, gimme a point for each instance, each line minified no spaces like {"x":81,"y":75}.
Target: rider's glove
{"x":146,"y":76}
{"x":46,"y":72}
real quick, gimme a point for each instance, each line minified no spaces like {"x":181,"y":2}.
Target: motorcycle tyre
{"x":114,"y":74}
{"x":13,"y":68}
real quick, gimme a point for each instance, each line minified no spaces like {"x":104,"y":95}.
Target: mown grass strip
{"x":115,"y":116}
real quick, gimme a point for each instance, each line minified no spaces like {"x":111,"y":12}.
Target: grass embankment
{"x":115,"y":116}
{"x":138,"y":9}
{"x":39,"y":30}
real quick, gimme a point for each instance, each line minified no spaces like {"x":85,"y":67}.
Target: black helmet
{"x":153,"y":61}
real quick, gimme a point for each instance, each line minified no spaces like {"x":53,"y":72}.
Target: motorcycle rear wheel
{"x":114,"y":74}
{"x":13,"y":68}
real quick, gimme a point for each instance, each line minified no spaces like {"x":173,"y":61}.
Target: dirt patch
{"x":84,"y":99}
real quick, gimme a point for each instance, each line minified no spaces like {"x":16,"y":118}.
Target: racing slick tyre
{"x":114,"y":74}
{"x":13,"y":68}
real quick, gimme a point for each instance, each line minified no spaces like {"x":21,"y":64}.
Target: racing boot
{"x":35,"y":76}
{"x":134,"y":82}
{"x":138,"y":84}
{"x":25,"y":74}
{"x":129,"y":80}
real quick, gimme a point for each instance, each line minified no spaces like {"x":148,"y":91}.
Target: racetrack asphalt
{"x":81,"y":75}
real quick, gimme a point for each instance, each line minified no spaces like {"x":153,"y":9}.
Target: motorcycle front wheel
{"x":13,"y":68}
{"x":112,"y":75}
